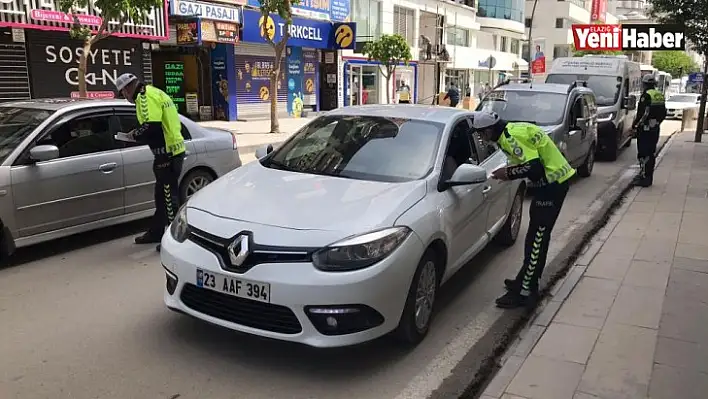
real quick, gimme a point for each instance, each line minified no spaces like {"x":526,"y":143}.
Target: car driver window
{"x":459,"y":150}
{"x":576,"y":112}
{"x":81,"y":136}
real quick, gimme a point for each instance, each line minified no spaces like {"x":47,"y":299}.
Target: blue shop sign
{"x":215,"y":12}
{"x":335,"y":10}
{"x":303,"y":32}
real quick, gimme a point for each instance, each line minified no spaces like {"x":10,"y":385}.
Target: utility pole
{"x":702,"y":108}
{"x":533,"y":11}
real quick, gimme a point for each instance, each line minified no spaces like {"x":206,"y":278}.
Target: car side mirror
{"x":467,"y":174}
{"x":44,"y":153}
{"x":263,"y":151}
{"x":630,"y":102}
{"x":581,"y":123}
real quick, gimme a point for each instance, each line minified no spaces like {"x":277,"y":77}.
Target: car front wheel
{"x":418,"y":311}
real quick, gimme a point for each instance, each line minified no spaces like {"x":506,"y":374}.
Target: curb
{"x":474,"y":371}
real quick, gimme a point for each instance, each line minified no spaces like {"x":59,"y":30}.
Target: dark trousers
{"x":167,"y":171}
{"x":647,"y":141}
{"x":543,"y":213}
{"x":453,"y":103}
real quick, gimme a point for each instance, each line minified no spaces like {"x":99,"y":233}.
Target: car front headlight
{"x":179,"y":227}
{"x":360,"y":251}
{"x":606,"y":117}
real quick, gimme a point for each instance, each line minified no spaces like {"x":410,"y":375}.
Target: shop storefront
{"x":39,"y":59}
{"x":365,"y":84}
{"x":298,"y":87}
{"x":193,"y":67}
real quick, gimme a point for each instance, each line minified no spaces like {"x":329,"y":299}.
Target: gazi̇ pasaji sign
{"x":628,"y":37}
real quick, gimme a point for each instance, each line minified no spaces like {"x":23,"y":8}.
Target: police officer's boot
{"x":513,"y":299}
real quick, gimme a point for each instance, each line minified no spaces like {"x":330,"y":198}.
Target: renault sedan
{"x":346,"y":231}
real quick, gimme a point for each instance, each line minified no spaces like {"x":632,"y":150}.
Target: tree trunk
{"x":83,"y":62}
{"x":702,"y":108}
{"x":274,"y":122}
{"x":388,"y":89}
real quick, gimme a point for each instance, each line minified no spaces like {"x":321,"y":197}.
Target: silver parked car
{"x":346,"y":231}
{"x":62,"y":172}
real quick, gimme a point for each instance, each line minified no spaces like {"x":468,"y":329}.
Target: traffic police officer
{"x":532,"y":155}
{"x":161,"y":129}
{"x":651,"y":111}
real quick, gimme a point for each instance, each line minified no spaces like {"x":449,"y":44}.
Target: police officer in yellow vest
{"x":651,"y":111}
{"x":534,"y":156}
{"x":161,"y":129}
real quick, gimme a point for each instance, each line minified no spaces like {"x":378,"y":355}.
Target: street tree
{"x":284,"y":9}
{"x":676,"y":63}
{"x":692,"y":16}
{"x":114,"y":14}
{"x":580,"y":53}
{"x":389,"y":51}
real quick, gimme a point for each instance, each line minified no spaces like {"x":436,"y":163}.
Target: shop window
{"x":367,"y":15}
{"x":458,"y":37}
{"x":525,"y":52}
{"x":527,"y":22}
{"x":403,"y":24}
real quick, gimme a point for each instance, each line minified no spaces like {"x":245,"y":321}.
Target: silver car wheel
{"x":425,"y":295}
{"x":515,"y":215}
{"x":196,"y":184}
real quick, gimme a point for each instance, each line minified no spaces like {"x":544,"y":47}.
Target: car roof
{"x":432,"y":113}
{"x":557,"y":88}
{"x":56,"y":104}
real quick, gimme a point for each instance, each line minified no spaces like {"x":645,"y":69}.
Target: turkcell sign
{"x":303,"y":32}
{"x":629,"y":37}
{"x":214,"y":12}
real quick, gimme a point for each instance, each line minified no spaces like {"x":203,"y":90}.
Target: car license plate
{"x":233,"y":286}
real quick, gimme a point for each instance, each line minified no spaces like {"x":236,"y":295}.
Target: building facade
{"x":499,"y":41}
{"x":39,"y":59}
{"x":442,"y":36}
{"x":551,"y":36}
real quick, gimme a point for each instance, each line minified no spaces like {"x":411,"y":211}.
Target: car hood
{"x":679,"y":105}
{"x":256,"y":194}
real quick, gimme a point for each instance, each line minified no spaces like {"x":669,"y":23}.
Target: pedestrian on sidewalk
{"x":161,"y":129}
{"x":532,"y":155}
{"x":651,"y":111}
{"x":453,"y":94}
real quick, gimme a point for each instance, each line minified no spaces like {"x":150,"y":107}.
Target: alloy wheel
{"x":425,"y":295}
{"x":196,"y":184}
{"x":516,"y":211}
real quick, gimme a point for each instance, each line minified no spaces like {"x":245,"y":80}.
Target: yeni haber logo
{"x":628,"y":37}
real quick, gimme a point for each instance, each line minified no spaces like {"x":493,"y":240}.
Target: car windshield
{"x":16,"y":124}
{"x":684,"y":99}
{"x":361,"y":147}
{"x":540,"y":108}
{"x":606,"y":88}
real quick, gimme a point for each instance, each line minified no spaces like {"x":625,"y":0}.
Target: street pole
{"x":533,"y":11}
{"x":702,"y":109}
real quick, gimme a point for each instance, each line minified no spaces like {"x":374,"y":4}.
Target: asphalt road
{"x":83,"y":318}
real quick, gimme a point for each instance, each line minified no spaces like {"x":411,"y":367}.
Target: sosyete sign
{"x":304,"y":32}
{"x":215,"y":12}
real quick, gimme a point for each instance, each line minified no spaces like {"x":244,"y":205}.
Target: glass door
{"x":355,"y":88}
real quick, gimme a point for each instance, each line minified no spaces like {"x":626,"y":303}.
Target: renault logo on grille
{"x":239,"y":250}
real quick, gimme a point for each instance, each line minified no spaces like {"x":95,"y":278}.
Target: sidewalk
{"x":630,"y":321}
{"x":250,"y":135}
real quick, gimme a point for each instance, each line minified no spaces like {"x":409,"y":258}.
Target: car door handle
{"x":108,"y":167}
{"x":486,"y":190}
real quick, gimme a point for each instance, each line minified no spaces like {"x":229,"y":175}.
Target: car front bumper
{"x":295,"y":289}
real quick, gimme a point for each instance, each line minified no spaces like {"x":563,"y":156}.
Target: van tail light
{"x":233,"y":140}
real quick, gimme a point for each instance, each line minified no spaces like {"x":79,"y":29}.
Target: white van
{"x":617,"y":84}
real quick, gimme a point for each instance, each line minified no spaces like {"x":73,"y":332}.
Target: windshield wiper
{"x":280,"y":166}
{"x":526,"y":121}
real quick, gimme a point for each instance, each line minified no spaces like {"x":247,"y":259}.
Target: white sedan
{"x":677,"y":103}
{"x":346,"y":231}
